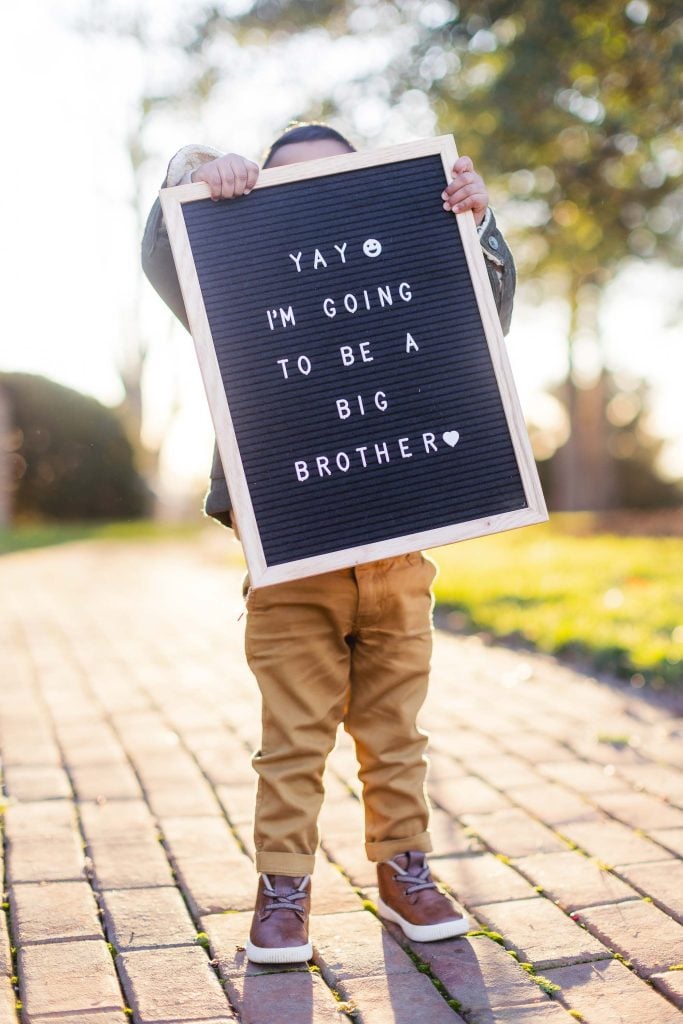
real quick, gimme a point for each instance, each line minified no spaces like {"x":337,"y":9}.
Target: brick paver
{"x":62,"y":977}
{"x":639,"y":931}
{"x":572,"y":880}
{"x":126,"y":728}
{"x":173,"y":984}
{"x":662,"y":882}
{"x":138,"y":918}
{"x":53,"y":911}
{"x":671,"y":984}
{"x":482,"y":878}
{"x":540,"y":933}
{"x":607,"y":992}
{"x":479,"y":974}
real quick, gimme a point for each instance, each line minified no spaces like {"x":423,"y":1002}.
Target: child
{"x":349,"y":646}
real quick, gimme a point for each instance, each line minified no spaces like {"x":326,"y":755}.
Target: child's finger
{"x":463,"y":163}
{"x":476,"y":203}
{"x":252,"y":175}
{"x":460,"y":180}
{"x":209,"y":174}
{"x":468,"y":189}
{"x":239,"y":169}
{"x":227,"y":181}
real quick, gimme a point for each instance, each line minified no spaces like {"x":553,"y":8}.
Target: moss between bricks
{"x":14,"y":978}
{"x":346,"y":1006}
{"x":549,"y":987}
{"x":625,"y":962}
{"x":425,"y":969}
{"x":494,"y":936}
{"x":620,"y":740}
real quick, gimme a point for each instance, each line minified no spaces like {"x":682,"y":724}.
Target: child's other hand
{"x":466,"y":191}
{"x":228,"y":176}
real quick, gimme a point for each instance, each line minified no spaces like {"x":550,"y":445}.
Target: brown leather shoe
{"x":279,"y":929}
{"x":409,"y":897}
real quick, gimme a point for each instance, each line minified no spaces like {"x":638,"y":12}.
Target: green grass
{"x":614,"y":601}
{"x":41,"y":535}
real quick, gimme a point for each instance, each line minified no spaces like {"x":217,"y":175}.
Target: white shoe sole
{"x":424,"y":932}
{"x":279,"y":954}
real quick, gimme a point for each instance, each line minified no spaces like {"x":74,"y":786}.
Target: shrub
{"x":69,"y":456}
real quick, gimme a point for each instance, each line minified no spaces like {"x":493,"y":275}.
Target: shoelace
{"x":416,"y":882}
{"x":285,"y":900}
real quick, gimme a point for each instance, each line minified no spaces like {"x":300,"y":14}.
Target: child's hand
{"x":228,"y":176}
{"x":466,"y":191}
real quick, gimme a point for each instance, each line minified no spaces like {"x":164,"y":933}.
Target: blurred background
{"x":571,"y":112}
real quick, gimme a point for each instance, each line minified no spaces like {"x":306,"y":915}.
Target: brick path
{"x":127,"y":716}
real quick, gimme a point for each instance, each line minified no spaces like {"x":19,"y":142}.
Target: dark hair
{"x":306,"y":132}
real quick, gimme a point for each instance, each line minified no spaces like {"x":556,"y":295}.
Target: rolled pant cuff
{"x":293,"y":864}
{"x":391,"y":847}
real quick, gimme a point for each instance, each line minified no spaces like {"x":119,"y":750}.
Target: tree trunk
{"x":583,"y":472}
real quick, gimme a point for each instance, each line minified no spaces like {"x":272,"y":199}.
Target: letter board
{"x":353,"y":360}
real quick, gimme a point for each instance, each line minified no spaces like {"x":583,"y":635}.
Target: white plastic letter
{"x":404,"y":449}
{"x":429,"y":442}
{"x":382,"y":451}
{"x":297,"y":260}
{"x":381,"y":401}
{"x":323,"y":464}
{"x":287,"y":316}
{"x":343,"y":409}
{"x":411,"y":344}
{"x":301,"y":470}
{"x":329,"y":307}
{"x":404,"y":291}
{"x":283,"y":364}
{"x":341,"y":249}
{"x":346,"y":352}
{"x":384,"y":296}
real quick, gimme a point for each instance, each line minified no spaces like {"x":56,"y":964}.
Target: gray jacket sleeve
{"x":158,"y":264}
{"x":500,"y":267}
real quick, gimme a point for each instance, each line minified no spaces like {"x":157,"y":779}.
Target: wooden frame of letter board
{"x":261,"y":574}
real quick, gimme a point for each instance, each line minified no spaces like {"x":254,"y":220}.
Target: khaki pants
{"x":349,"y":646}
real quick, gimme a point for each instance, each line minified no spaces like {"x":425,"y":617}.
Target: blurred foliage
{"x":571,"y":111}
{"x":69,"y":456}
{"x":614,"y":601}
{"x":574,"y":112}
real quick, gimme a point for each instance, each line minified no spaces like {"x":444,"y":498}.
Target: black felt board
{"x":241,"y":253}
